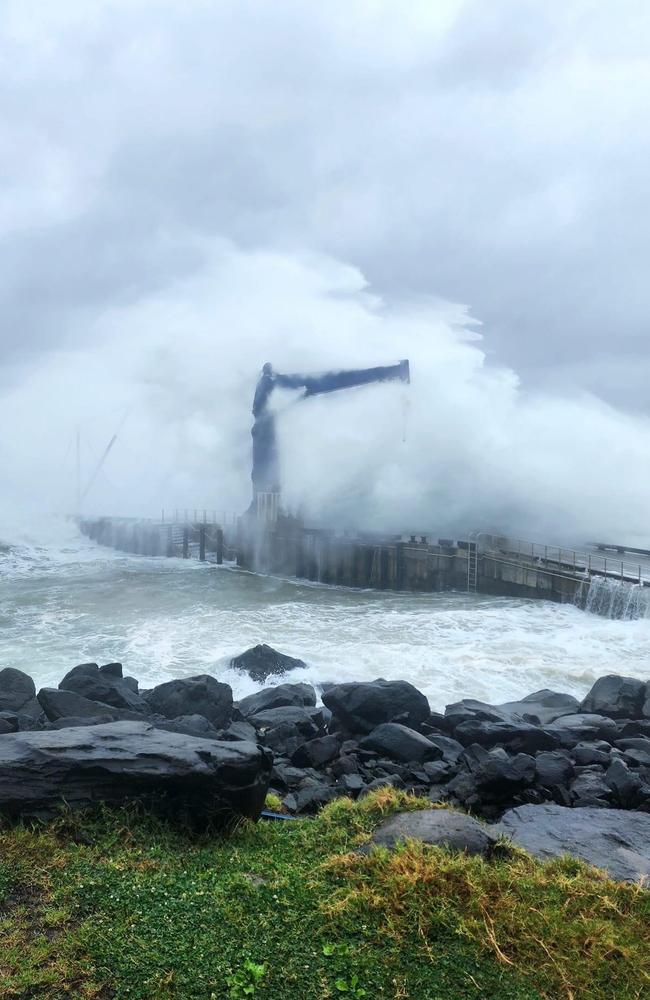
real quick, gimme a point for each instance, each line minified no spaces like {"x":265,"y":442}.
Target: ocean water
{"x":65,"y":600}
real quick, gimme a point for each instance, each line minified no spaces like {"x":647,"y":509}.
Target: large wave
{"x":463,"y":447}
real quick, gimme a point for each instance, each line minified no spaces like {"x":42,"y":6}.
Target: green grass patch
{"x":118,"y":905}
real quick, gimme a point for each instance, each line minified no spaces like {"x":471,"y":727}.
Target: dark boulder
{"x":263,"y":661}
{"x":542,"y":706}
{"x":277,"y":697}
{"x":316,"y":753}
{"x":15,"y":722}
{"x":539,"y":708}
{"x":200,"y":695}
{"x":112,"y":670}
{"x":392,"y":781}
{"x":616,"y":697}
{"x":572,"y":729}
{"x":518,"y":737}
{"x":438,"y":827}
{"x":500,"y":777}
{"x":347,"y":763}
{"x":633,"y":727}
{"x":18,"y":693}
{"x":628,"y":788}
{"x":470,"y":709}
{"x":58,"y":704}
{"x":239,"y":731}
{"x":360,"y":707}
{"x":399,"y":743}
{"x":589,"y":788}
{"x":307,"y":720}
{"x":612,"y":839}
{"x":180,"y":776}
{"x":595,"y":752}
{"x":451,"y":749}
{"x":554,"y":768}
{"x":352,"y":784}
{"x":636,"y":749}
{"x":89,"y":681}
{"x":438,"y":772}
{"x":313,"y":798}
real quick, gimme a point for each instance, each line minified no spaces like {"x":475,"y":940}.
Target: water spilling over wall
{"x":614,"y":598}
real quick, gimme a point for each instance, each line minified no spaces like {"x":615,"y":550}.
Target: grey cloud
{"x":497,"y":159}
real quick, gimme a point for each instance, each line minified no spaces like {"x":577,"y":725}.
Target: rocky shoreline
{"x":187,"y":747}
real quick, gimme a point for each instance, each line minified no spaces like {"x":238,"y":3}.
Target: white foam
{"x":75,"y":602}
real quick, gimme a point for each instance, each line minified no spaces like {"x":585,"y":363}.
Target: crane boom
{"x":265,"y":474}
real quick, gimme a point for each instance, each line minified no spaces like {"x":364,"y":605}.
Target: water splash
{"x":614,"y":598}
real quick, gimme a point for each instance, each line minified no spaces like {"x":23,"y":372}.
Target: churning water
{"x":65,"y":601}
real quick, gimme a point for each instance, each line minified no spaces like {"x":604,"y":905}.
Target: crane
{"x":266,"y":471}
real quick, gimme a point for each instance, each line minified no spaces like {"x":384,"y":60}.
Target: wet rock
{"x":629,"y":790}
{"x":239,"y":731}
{"x":554,"y":768}
{"x":451,"y":749}
{"x":200,"y":695}
{"x":345,"y":764}
{"x":193,"y":725}
{"x":18,"y":693}
{"x":468,"y":709}
{"x":277,"y":697}
{"x":112,"y":670}
{"x":308,"y":721}
{"x":72,"y":721}
{"x":61,"y":704}
{"x":498,"y":778}
{"x":438,"y":772}
{"x":519,"y":737}
{"x":263,"y":661}
{"x":543,"y":706}
{"x":180,"y":776}
{"x":310,"y":800}
{"x":392,"y":781}
{"x":352,"y":784}
{"x":589,"y":788}
{"x":287,"y":776}
{"x":89,"y":681}
{"x":615,"y":697}
{"x":438,"y":827}
{"x":597,"y":752}
{"x":572,"y":729}
{"x":464,"y":789}
{"x":637,"y":750}
{"x":360,"y":707}
{"x":436,"y":723}
{"x":400,"y":743}
{"x":316,"y":753}
{"x":612,"y":839}
{"x":15,"y":722}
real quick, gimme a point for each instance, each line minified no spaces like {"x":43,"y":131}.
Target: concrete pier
{"x":203,"y":540}
{"x":285,"y":546}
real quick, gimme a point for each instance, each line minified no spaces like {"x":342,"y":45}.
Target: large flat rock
{"x":616,"y":840}
{"x":180,"y":776}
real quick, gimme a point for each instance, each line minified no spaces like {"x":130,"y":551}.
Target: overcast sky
{"x":489,"y":152}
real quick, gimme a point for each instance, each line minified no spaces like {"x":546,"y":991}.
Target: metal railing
{"x":197,"y":515}
{"x":573,"y":562}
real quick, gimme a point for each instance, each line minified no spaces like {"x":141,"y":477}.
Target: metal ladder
{"x":472,"y":564}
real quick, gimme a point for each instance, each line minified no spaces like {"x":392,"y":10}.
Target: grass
{"x":117,"y":905}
